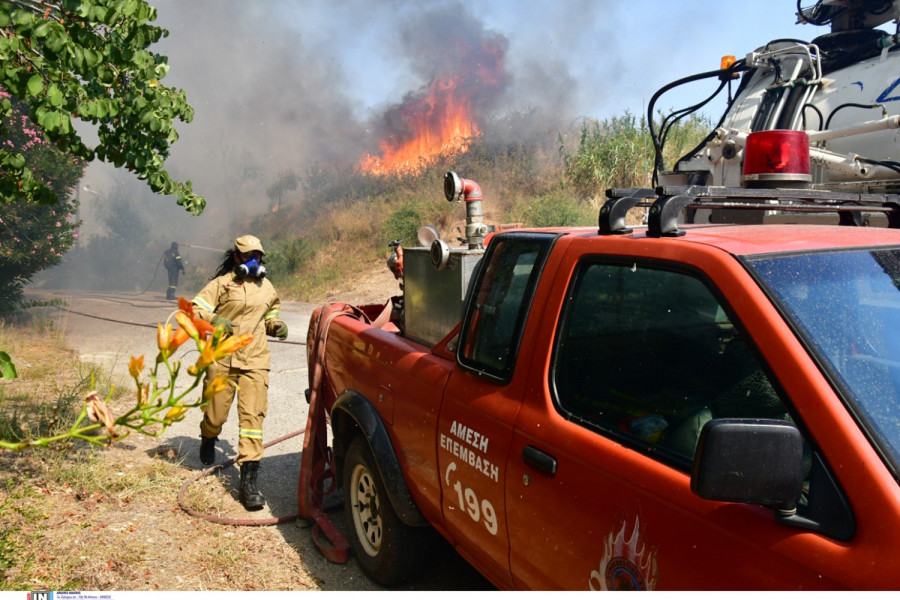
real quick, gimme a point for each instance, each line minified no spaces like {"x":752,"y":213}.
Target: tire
{"x":387,"y":550}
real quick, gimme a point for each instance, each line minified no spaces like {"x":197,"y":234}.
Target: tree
{"x":89,"y":60}
{"x":35,"y":237}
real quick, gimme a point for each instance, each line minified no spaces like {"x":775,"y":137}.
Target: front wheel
{"x":386,"y":549}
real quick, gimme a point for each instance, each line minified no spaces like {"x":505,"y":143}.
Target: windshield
{"x":847,"y":305}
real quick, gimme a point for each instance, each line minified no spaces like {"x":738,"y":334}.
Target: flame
{"x":440,"y":124}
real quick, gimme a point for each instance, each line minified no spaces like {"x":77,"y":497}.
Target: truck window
{"x":846,"y":306}
{"x":499,"y":303}
{"x":648,"y":355}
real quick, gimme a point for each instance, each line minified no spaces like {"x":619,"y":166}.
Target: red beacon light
{"x":776,"y":158}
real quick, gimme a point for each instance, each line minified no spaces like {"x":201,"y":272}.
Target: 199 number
{"x":468,"y":501}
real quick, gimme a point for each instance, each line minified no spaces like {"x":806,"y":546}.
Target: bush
{"x":403,"y":223}
{"x":556,"y":209}
{"x":287,"y":256}
{"x":618,"y":152}
{"x":34,"y":237}
{"x":612,"y":153}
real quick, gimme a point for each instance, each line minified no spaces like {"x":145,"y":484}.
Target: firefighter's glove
{"x":226,"y":325}
{"x":277,"y":329}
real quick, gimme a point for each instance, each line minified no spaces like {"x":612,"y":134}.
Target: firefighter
{"x":173,"y":264}
{"x":241,"y":300}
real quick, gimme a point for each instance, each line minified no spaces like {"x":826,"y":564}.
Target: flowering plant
{"x":34,"y":236}
{"x":158,"y":400}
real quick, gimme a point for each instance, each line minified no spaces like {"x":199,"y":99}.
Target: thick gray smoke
{"x":448,"y":47}
{"x":283,"y":86}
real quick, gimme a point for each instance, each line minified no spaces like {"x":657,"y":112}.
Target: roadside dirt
{"x":109,"y":518}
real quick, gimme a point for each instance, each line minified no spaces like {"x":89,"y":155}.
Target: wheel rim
{"x":364,"y":505}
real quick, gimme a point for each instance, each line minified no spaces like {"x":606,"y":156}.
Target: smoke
{"x":288,"y":86}
{"x":447,"y":40}
{"x":264,"y":100}
{"x":282,"y":86}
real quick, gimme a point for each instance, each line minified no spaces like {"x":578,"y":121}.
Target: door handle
{"x":539,"y":460}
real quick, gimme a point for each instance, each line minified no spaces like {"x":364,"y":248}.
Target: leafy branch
{"x":89,"y":60}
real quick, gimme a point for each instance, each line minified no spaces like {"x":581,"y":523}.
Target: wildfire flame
{"x":439,"y":124}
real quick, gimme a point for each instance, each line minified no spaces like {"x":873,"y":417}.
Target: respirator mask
{"x":252,"y":268}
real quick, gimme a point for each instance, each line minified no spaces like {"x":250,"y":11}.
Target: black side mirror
{"x":755,"y":461}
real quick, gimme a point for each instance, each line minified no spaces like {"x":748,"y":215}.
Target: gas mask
{"x":253,"y":268}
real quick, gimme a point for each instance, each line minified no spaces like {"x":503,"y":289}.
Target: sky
{"x":282,"y":85}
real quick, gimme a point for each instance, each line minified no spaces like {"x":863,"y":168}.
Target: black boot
{"x":207,"y":449}
{"x":249,"y":495}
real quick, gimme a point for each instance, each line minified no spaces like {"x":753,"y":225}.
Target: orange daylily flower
{"x":231,"y":345}
{"x":185,"y":321}
{"x":203,"y":327}
{"x":211,"y":353}
{"x":179,"y":337}
{"x":135,"y":366}
{"x":186,"y":307}
{"x":98,"y":412}
{"x":207,"y":357}
{"x":219,"y":383}
{"x":169,"y":341}
{"x":176,"y":413}
{"x":163,"y":335}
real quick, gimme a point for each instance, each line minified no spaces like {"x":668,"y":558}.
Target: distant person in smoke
{"x":240,"y":300}
{"x":173,"y":264}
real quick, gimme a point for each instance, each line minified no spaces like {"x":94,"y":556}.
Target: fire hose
{"x":317,"y":477}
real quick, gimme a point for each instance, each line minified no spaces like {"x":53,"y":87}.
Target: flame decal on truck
{"x":625,"y":565}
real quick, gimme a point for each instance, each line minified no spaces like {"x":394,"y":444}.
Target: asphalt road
{"x":110,"y":328}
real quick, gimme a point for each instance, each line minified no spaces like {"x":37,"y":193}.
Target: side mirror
{"x":754,"y":461}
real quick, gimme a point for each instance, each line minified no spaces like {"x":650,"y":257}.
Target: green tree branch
{"x":89,"y":60}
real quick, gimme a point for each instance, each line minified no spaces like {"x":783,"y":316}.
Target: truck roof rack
{"x":667,"y":203}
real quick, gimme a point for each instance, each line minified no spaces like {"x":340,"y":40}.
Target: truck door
{"x":599,"y":497}
{"x":482,"y":399}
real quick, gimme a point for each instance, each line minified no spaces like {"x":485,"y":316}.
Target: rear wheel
{"x":386,"y":549}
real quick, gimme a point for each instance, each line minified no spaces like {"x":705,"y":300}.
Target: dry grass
{"x":84,"y":517}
